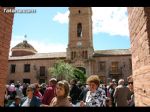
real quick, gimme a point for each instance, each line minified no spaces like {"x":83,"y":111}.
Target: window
{"x":13,"y":68}
{"x":27,"y":68}
{"x":84,"y":54}
{"x":71,"y":55}
{"x":79,"y":11}
{"x":11,"y":81}
{"x":41,"y":81}
{"x":42,"y":70}
{"x":102,"y":66}
{"x":114,"y":67}
{"x":26,"y":81}
{"x":79,"y":30}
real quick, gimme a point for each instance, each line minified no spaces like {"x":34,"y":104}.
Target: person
{"x":121,"y":94}
{"x":96,"y":96}
{"x":83,"y":93}
{"x":37,"y":91}
{"x":111,"y":90}
{"x":130,"y":86}
{"x":31,"y":100}
{"x":16,"y":103}
{"x":108,"y":102}
{"x":49,"y":93}
{"x":19,"y":91}
{"x":42,"y":88}
{"x":74,"y":91}
{"x":61,"y":99}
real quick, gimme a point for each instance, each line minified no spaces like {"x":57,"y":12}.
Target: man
{"x":74,"y":91}
{"x":121,"y":94}
{"x":49,"y":93}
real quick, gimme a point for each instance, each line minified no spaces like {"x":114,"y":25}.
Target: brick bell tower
{"x":80,"y":43}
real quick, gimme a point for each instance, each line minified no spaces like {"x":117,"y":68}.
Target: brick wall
{"x":139,"y":27}
{"x":6,"y":21}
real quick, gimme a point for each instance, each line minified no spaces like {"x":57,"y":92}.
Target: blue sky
{"x":47,"y":29}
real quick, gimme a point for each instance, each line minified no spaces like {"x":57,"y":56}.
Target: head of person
{"x":93,"y":82}
{"x":37,"y":86}
{"x":73,"y":82}
{"x":52,"y":81}
{"x":108,"y":102}
{"x":30,"y":90}
{"x":17,"y":100}
{"x":114,"y":81}
{"x":62,"y":89}
{"x":121,"y":82}
{"x":130,"y":82}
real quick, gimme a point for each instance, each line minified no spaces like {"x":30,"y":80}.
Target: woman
{"x":61,"y":99}
{"x":95,"y":97}
{"x":37,"y":91}
{"x":31,"y":100}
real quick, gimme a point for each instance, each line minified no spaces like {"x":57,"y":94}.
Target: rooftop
{"x":24,"y":45}
{"x":113,"y":52}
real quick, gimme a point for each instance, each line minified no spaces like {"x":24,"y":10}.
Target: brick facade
{"x":139,"y":25}
{"x":6,"y":21}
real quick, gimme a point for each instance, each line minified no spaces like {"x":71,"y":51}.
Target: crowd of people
{"x":71,"y":94}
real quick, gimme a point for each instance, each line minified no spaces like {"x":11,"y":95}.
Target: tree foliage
{"x":62,"y":70}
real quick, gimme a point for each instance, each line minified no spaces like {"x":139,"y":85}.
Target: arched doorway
{"x":82,"y":69}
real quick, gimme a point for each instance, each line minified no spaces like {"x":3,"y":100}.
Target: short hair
{"x":36,"y":85}
{"x":121,"y":82}
{"x":130,"y":78}
{"x":65,"y":85}
{"x":93,"y":78}
{"x":31,"y":87}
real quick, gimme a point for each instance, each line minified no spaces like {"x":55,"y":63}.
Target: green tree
{"x":62,"y":70}
{"x":79,"y":75}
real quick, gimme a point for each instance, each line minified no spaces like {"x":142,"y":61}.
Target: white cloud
{"x":111,"y":20}
{"x":61,"y":17}
{"x":41,"y":47}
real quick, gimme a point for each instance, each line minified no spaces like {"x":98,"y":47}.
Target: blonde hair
{"x":93,"y":78}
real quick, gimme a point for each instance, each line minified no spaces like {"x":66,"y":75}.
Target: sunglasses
{"x":130,"y":83}
{"x":29,"y":90}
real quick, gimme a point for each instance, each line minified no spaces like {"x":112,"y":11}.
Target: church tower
{"x":80,"y":43}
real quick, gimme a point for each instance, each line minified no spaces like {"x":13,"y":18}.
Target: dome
{"x":23,"y":49}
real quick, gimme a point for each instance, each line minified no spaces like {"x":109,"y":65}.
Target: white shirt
{"x":26,"y":103}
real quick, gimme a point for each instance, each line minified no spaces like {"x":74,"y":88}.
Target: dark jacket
{"x":74,"y":93}
{"x":35,"y":101}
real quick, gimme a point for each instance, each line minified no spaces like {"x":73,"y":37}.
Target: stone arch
{"x":139,"y":25}
{"x":82,"y":69}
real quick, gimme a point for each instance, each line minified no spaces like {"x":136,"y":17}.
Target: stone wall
{"x":123,"y":64}
{"x":139,"y":27}
{"x":6,"y":21}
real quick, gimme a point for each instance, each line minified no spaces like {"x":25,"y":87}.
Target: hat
{"x":17,"y":97}
{"x":113,"y":80}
